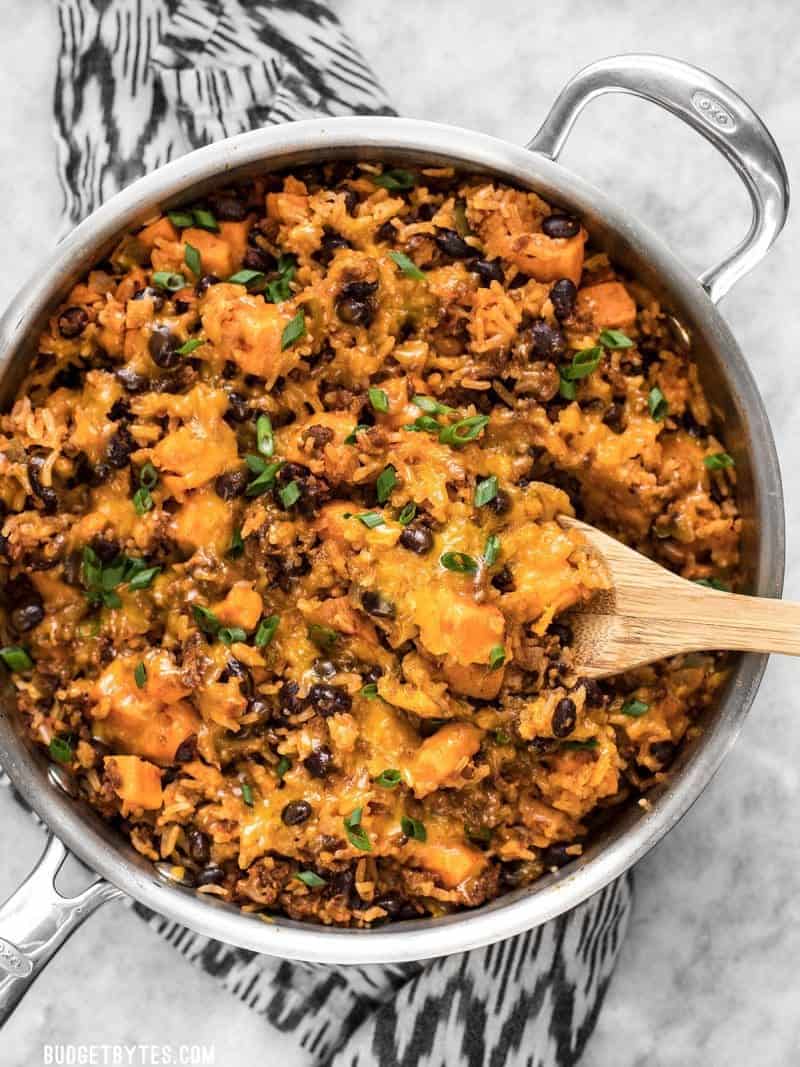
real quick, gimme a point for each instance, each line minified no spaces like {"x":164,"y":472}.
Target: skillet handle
{"x":711,"y":108}
{"x":35,"y":922}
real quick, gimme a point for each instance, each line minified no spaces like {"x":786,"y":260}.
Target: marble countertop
{"x":709,"y":971}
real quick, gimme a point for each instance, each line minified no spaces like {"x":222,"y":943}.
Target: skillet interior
{"x":728,"y":386}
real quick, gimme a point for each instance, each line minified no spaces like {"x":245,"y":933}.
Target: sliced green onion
{"x":351,"y":437}
{"x":143,"y":501}
{"x":148,"y":476}
{"x":290,"y":494}
{"x":491,"y":550}
{"x":294,"y":330}
{"x":615,"y":339}
{"x":578,"y":746}
{"x":407,"y":266}
{"x":142,"y":579}
{"x":247,"y":794}
{"x":370,"y":519}
{"x":251,"y":279}
{"x":657,"y":404}
{"x":278,"y":290}
{"x":566,"y":389}
{"x":189,"y":346}
{"x":206,"y":620}
{"x":378,"y":399}
{"x":284,"y":765}
{"x":356,"y":834}
{"x":387,"y":480}
{"x":229,"y":635}
{"x":635,"y":708}
{"x":460,"y":219}
{"x":497,"y":657}
{"x":431,"y":406}
{"x":459,"y":433}
{"x":394,"y":180}
{"x":267,"y":629}
{"x":323,"y":637}
{"x":720,"y":461}
{"x":389,"y":779}
{"x":369,"y":691}
{"x":309,"y":878}
{"x":60,"y":750}
{"x":713,"y":583}
{"x":425,"y":424}
{"x":458,"y":562}
{"x":168,"y":280}
{"x":486,"y":490}
{"x":265,"y":479}
{"x":413,"y":828}
{"x":237,"y":544}
{"x":181,"y":219}
{"x":204,"y":219}
{"x":16,"y":658}
{"x":583,"y":364}
{"x":502,"y":738}
{"x":140,"y":675}
{"x":264,"y":435}
{"x":407,"y":514}
{"x":191,"y":258}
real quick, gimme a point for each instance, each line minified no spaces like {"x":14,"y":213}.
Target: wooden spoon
{"x":650,"y":613}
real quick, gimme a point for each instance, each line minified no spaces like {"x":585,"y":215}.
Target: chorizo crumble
{"x":283,"y":577}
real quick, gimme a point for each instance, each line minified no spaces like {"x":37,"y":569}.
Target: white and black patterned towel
{"x":141,"y":82}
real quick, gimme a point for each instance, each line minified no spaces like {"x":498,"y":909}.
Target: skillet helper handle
{"x":35,"y":922}
{"x":711,"y":108}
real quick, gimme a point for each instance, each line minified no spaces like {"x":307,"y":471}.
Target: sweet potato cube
{"x":609,"y":304}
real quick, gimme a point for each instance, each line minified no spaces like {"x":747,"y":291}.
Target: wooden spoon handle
{"x":716,"y":620}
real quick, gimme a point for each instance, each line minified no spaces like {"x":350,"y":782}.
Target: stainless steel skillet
{"x":36,"y":920}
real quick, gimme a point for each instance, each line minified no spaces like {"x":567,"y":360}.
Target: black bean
{"x":211,"y":875}
{"x":563,"y":296}
{"x":288,"y":699}
{"x":199,"y":846}
{"x":351,"y":199}
{"x":417,"y":538}
{"x":106,"y":548}
{"x":425,"y":212}
{"x":395,"y":905}
{"x":323,"y":668}
{"x":500,"y":503}
{"x":504,"y":581}
{"x":453,"y":244}
{"x":560,"y":226}
{"x":45,"y":493}
{"x":662,"y":752}
{"x":260,"y":710}
{"x":227,"y":208}
{"x":72,"y":322}
{"x":149,"y":293}
{"x":372,"y":675}
{"x":120,"y":447}
{"x":355,"y":304}
{"x":376,"y":604}
{"x":614,"y":418}
{"x":518,"y":281}
{"x":231,"y":484}
{"x":489,"y":270}
{"x":546,"y":342}
{"x":26,"y":616}
{"x":205,"y":283}
{"x":386,"y":232}
{"x":187,"y":750}
{"x":556,"y":855}
{"x":258,"y":259}
{"x":236,"y":669}
{"x":343,"y":883}
{"x":331,"y":243}
{"x":119,"y":410}
{"x":69,"y":377}
{"x":238,"y":408}
{"x":292,"y":472}
{"x":329,"y":699}
{"x":296,"y":812}
{"x":565,"y":718}
{"x":319,"y":763}
{"x":130,"y":380}
{"x":99,"y":474}
{"x":163,"y":348}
